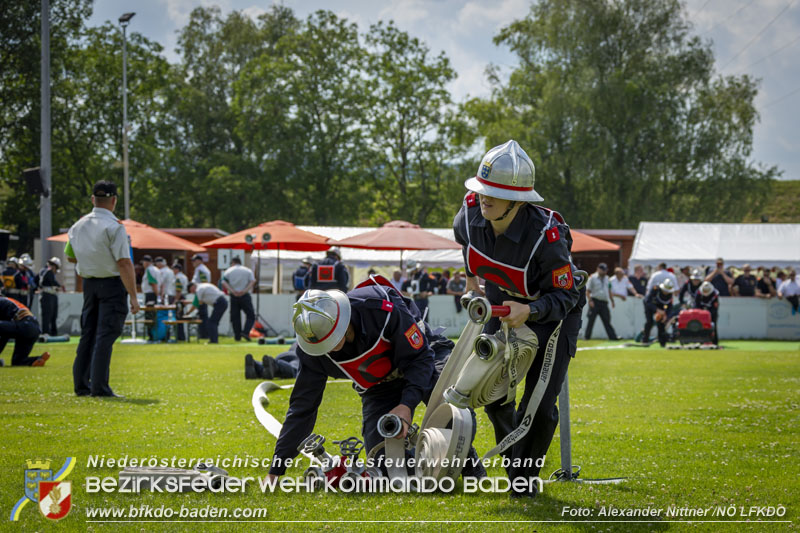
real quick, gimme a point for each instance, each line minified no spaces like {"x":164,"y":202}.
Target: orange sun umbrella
{"x":581,"y":242}
{"x":274,"y":235}
{"x":398,"y":235}
{"x":148,"y":238}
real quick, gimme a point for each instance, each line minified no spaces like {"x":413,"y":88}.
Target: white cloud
{"x":405,"y":12}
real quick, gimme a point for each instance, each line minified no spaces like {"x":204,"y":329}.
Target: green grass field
{"x":688,"y":428}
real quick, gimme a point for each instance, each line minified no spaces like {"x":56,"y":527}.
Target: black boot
{"x":269,"y":367}
{"x":250,"y":367}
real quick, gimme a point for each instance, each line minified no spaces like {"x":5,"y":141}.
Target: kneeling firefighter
{"x":374,"y":337}
{"x":522,"y":252}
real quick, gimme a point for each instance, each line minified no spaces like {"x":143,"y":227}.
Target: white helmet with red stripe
{"x":506,"y":172}
{"x":320,"y":320}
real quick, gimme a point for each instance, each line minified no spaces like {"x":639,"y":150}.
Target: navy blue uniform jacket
{"x":367,"y":316}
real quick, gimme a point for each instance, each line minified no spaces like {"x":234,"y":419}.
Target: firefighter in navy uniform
{"x":18,"y":323}
{"x":658,"y":310}
{"x":48,"y":287}
{"x":300,"y":277}
{"x":707,"y":297}
{"x":8,"y":274}
{"x":330,"y":273}
{"x":522,"y":252}
{"x":371,"y":336}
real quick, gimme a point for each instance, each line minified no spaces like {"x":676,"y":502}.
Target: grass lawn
{"x":688,"y":428}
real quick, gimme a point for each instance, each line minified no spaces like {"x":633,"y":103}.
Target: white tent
{"x":699,"y":244}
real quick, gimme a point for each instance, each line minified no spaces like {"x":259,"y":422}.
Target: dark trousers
{"x":213,"y":321}
{"x":600,"y":307}
{"x":288,"y":364}
{"x":422,"y":305}
{"x":202,"y":329}
{"x":661,"y":327}
{"x":102,"y":319}
{"x":239,"y":305}
{"x":49,"y":304}
{"x":794,"y":301}
{"x":25,"y":332}
{"x":505,"y":418}
{"x":150,"y":298}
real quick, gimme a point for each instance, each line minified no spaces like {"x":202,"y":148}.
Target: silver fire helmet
{"x":56,"y":261}
{"x":696,"y":275}
{"x":667,"y":285}
{"x":706,"y":288}
{"x":506,"y":172}
{"x":320,"y":320}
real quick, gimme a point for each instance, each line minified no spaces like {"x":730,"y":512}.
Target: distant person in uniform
{"x":658,"y":310}
{"x":720,"y":278}
{"x":457,"y":286}
{"x":330,"y":273}
{"x":18,"y":323}
{"x":201,"y":275}
{"x":8,"y":288}
{"x":745,"y":283}
{"x":707,"y":297}
{"x":639,"y":280}
{"x":181,"y":290}
{"x":239,"y":280}
{"x":209,"y":294}
{"x":689,"y":290}
{"x":418,"y":286}
{"x":791,"y":291}
{"x":151,"y":288}
{"x":300,"y":277}
{"x":166,"y":286}
{"x":48,"y":300}
{"x":598,"y":296}
{"x":99,"y":244}
{"x":24,"y":281}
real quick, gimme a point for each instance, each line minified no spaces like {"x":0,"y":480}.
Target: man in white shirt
{"x":99,"y":244}
{"x":181,"y":288}
{"x":201,"y":275}
{"x":598,"y":295}
{"x":151,"y":288}
{"x":621,"y":286}
{"x":208,"y":294}
{"x":239,"y":280}
{"x":659,"y":276}
{"x":791,"y":291}
{"x":167,"y":281}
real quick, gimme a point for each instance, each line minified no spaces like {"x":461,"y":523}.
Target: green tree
{"x":624,"y":116}
{"x":300,"y":112}
{"x":409,"y":121}
{"x":20,"y":109}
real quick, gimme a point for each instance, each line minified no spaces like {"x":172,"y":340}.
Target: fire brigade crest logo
{"x":48,"y":491}
{"x":414,"y":337}
{"x":562,"y":277}
{"x":55,"y":499}
{"x":486,"y":169}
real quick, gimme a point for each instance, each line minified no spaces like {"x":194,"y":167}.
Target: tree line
{"x":318,"y":121}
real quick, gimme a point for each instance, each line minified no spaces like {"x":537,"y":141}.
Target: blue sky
{"x":759,"y":37}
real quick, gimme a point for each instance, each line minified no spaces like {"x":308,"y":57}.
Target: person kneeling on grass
{"x":285,"y":365}
{"x":18,"y":323}
{"x":373,"y":336}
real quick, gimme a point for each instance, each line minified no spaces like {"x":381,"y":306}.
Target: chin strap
{"x":511,"y":206}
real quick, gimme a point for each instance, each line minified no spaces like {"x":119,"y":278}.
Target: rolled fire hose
{"x":260,"y":402}
{"x":435,"y":441}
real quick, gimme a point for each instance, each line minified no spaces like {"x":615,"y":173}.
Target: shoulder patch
{"x":414,"y":337}
{"x":562,"y":277}
{"x":552,"y":234}
{"x":471,"y":199}
{"x":387,"y":306}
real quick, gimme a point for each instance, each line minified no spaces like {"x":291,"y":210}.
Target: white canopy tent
{"x":700,"y":244}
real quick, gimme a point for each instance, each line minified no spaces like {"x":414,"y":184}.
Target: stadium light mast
{"x":123,"y":21}
{"x":45,"y":206}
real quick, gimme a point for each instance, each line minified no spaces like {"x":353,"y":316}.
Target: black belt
{"x":98,"y":278}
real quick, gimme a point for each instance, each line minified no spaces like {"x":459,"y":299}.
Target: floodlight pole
{"x":45,"y":209}
{"x":124,"y":20}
